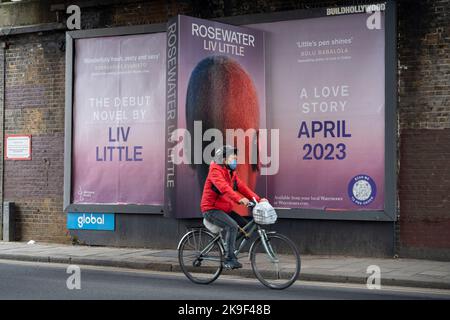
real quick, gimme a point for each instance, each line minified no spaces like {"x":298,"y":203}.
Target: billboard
{"x":215,"y":80}
{"x":323,"y":80}
{"x":326,"y":96}
{"x":118,"y":120}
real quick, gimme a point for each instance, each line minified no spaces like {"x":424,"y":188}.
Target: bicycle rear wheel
{"x":278,"y":267}
{"x":200,"y":258}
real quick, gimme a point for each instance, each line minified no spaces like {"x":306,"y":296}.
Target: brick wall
{"x":424,"y":113}
{"x":35,"y":104}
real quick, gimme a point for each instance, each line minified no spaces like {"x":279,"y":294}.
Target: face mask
{"x":233,"y":164}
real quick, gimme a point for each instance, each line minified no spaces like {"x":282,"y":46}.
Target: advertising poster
{"x":118,"y":120}
{"x":215,"y":80}
{"x":326,"y":95}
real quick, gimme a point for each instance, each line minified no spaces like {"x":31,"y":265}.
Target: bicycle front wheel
{"x":200,"y":257}
{"x":276,"y":265}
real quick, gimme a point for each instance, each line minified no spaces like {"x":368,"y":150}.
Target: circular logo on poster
{"x":362,"y":190}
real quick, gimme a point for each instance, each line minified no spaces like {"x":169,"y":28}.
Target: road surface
{"x":31,"y":280}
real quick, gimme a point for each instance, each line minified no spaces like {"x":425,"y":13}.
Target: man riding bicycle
{"x":219,"y":195}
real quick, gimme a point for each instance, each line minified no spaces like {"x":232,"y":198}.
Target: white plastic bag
{"x":264,"y":213}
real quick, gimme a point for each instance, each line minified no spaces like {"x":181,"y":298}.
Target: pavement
{"x":394,"y":272}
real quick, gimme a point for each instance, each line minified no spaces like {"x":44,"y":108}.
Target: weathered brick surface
{"x":35,"y":104}
{"x":424,"y":116}
{"x":424,"y":184}
{"x":41,"y":219}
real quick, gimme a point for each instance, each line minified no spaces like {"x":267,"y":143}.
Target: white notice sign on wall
{"x":18,"y":147}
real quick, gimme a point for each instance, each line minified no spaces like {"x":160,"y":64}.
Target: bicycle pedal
{"x":228,"y":267}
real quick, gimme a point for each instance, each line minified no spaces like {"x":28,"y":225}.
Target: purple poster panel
{"x":326,"y":96}
{"x":220,"y":84}
{"x":118,"y":120}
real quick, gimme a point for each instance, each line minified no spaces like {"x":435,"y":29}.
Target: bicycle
{"x":201,"y":254}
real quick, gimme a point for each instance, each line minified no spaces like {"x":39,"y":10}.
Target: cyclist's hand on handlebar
{"x":244,"y":201}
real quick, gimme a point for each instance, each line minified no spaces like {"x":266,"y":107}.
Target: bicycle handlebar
{"x":251,"y":204}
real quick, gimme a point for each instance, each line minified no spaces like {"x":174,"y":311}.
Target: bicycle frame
{"x":245,"y":233}
{"x":192,"y":242}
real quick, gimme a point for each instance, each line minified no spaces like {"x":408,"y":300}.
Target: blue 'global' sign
{"x":90,"y":221}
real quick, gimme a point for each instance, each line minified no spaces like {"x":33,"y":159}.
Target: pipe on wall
{"x":3,"y":46}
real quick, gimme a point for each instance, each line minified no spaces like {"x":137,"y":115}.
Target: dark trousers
{"x":230,"y":223}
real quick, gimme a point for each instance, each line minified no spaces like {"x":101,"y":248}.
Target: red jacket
{"x":218,"y":193}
